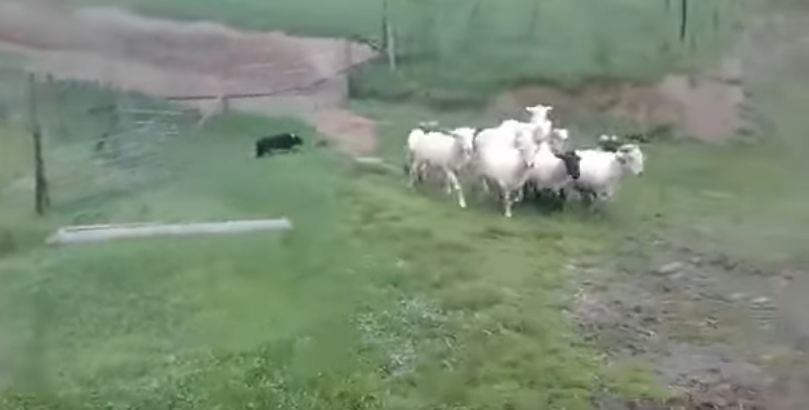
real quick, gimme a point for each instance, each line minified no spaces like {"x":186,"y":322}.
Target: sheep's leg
{"x":453,"y":179}
{"x":484,"y":186}
{"x":449,"y":185}
{"x":415,"y":173}
{"x":587,"y":197}
{"x":529,"y":190}
{"x":561,"y":199}
{"x":519,"y":194}
{"x":598,"y":201}
{"x":507,"y":201}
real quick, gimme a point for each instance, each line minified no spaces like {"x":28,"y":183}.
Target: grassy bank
{"x":459,"y":52}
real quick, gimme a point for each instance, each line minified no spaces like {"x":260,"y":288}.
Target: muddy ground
{"x":719,"y":333}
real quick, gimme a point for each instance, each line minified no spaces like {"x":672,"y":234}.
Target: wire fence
{"x":94,"y":140}
{"x":457,"y":53}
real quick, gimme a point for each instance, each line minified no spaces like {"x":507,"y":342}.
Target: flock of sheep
{"x":519,"y":159}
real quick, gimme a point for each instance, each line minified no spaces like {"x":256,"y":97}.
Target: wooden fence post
{"x":41,"y":197}
{"x":683,"y":19}
{"x":114,"y":124}
{"x":391,"y":47}
{"x":384,"y":24}
{"x":532,"y":28}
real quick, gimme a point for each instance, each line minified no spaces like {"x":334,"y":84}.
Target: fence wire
{"x":96,"y":140}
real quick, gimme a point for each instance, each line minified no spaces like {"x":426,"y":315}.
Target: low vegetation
{"x":382,"y":297}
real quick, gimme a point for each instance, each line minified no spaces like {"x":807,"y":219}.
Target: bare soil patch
{"x":354,"y":134}
{"x":719,"y":333}
{"x":267,"y":73}
{"x":707,"y":106}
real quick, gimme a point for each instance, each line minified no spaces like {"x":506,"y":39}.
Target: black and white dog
{"x":266,"y":146}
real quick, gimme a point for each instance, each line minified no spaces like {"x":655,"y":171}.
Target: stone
{"x":671,"y":268}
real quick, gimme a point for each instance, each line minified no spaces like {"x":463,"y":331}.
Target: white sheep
{"x":509,"y":132}
{"x":447,"y":152}
{"x":608,"y":142}
{"x":539,"y":119}
{"x":539,"y":112}
{"x":503,"y":157}
{"x":551,"y":170}
{"x":601,"y":171}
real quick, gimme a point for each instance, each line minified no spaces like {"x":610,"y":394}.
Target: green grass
{"x":736,"y":198}
{"x":379,"y":298}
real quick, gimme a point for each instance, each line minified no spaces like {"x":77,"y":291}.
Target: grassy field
{"x":459,"y":51}
{"x":381,"y":298}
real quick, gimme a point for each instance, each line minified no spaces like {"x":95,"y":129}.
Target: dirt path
{"x":718,"y":332}
{"x":276,"y":74}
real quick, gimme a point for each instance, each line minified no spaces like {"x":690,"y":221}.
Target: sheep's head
{"x":428,"y":125}
{"x":528,"y":151}
{"x":630,"y":156}
{"x":607,"y":139}
{"x":466,"y":137}
{"x":539,"y":112}
{"x":609,"y":142}
{"x":572,"y":163}
{"x":561,"y":133}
